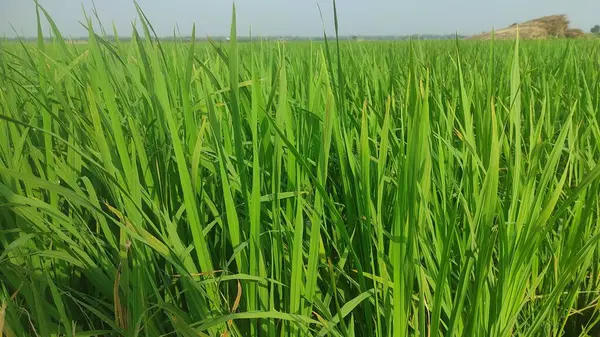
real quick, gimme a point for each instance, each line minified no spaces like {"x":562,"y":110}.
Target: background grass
{"x":276,"y":189}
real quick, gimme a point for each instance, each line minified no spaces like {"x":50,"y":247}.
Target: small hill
{"x":554,"y":26}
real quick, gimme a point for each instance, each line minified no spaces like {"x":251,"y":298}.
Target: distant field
{"x":434,"y":188}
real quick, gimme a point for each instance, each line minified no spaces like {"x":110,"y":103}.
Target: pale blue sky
{"x":300,"y":17}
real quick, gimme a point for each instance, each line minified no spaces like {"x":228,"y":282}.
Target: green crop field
{"x":326,"y":188}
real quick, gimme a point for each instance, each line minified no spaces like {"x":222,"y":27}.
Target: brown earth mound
{"x":554,"y":26}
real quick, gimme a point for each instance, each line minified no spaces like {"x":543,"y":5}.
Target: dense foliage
{"x":437,"y":188}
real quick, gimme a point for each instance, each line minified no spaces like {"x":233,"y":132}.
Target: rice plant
{"x":424,"y":188}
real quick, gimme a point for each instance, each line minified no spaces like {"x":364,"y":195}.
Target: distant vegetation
{"x":261,"y":38}
{"x":555,"y":26}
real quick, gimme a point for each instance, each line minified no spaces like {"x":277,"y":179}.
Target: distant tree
{"x":596,"y":29}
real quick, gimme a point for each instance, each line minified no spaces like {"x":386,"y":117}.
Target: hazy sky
{"x":299,"y":17}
